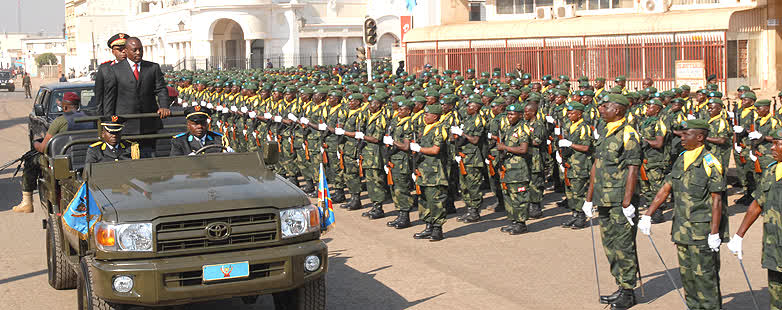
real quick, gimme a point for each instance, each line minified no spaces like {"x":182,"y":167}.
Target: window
{"x":528,"y":6}
{"x":738,"y":60}
{"x":601,"y":4}
{"x":475,"y":12}
{"x":144,"y":7}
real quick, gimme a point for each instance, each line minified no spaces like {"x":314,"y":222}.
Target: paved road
{"x":374,"y":267}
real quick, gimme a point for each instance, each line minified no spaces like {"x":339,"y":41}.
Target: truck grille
{"x":190,"y":278}
{"x":191,"y":234}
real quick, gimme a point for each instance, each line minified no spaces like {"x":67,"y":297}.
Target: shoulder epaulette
{"x":96,"y":144}
{"x":180,"y":135}
{"x":772,"y":164}
{"x":103,"y":63}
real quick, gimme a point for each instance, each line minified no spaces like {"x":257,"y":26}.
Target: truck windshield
{"x":86,"y":94}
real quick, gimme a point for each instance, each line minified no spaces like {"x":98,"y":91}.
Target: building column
{"x":320,"y":51}
{"x":343,"y":58}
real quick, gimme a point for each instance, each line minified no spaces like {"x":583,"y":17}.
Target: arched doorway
{"x":228,"y":50}
{"x":384,"y":45}
{"x":256,"y":51}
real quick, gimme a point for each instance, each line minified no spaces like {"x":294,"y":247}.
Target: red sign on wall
{"x":407,"y":24}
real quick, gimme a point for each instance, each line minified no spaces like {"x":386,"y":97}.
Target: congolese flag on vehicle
{"x":82,"y":213}
{"x":324,"y":202}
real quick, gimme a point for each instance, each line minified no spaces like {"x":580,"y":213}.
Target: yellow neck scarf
{"x":613,"y":126}
{"x":575,"y":125}
{"x":690,"y":156}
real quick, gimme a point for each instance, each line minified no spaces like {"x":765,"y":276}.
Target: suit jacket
{"x":100,"y":79}
{"x":123,"y":94}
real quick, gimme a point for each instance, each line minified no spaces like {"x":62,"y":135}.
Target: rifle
{"x":340,"y":154}
{"x":736,"y":140}
{"x":501,"y":165}
{"x":754,"y":147}
{"x":21,"y":160}
{"x":386,"y":151}
{"x":562,"y":155}
{"x":323,"y":136}
{"x":414,"y":159}
{"x":360,"y":148}
{"x":774,"y":106}
{"x":307,"y":129}
{"x":459,"y":142}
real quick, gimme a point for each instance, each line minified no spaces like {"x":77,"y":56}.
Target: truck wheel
{"x":311,"y":296}
{"x":61,"y":275}
{"x":88,"y":301}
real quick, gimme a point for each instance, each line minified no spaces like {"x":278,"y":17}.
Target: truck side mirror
{"x":271,"y":154}
{"x":38,"y":109}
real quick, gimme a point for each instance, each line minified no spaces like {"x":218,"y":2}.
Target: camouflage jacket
{"x":474,"y":125}
{"x":401,"y":129}
{"x":353,"y":121}
{"x":614,"y":152}
{"x":333,"y":116}
{"x":517,"y":167}
{"x":765,"y":125}
{"x":692,"y":188}
{"x":651,"y":128}
{"x":769,"y":196}
{"x":539,"y":136}
{"x":432,"y":167}
{"x":580,"y":162}
{"x":374,"y":126}
{"x":720,"y":128}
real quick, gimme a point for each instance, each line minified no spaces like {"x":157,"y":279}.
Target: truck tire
{"x":86,"y":300}
{"x":311,"y":296}
{"x":61,"y":275}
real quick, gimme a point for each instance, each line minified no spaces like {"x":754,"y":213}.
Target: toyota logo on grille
{"x":218,"y":231}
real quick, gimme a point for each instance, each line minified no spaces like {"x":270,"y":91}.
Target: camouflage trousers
{"x":350,"y":175}
{"x":313,"y":164}
{"x":496,"y":188}
{"x":775,"y":289}
{"x":536,"y":187}
{"x":304,"y":165}
{"x":576,"y":193}
{"x":517,"y":201}
{"x":470,"y":184}
{"x":650,"y":187}
{"x":31,"y":171}
{"x":619,"y":245}
{"x":746,"y":174}
{"x":334,"y":173}
{"x":700,"y":272}
{"x":433,"y":204}
{"x":403,"y":183}
{"x":288,"y":165}
{"x":376,"y":184}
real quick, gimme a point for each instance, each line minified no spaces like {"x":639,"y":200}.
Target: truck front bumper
{"x":177,"y":280}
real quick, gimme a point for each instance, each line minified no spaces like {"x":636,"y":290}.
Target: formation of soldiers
{"x":427,"y":139}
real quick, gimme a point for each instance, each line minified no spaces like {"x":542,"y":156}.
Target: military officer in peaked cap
{"x":198,"y":135}
{"x":112,"y":147}
{"x":117,"y":45}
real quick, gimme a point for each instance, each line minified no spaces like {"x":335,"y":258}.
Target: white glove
{"x":184,"y":104}
{"x":192,"y":104}
{"x":225,"y":110}
{"x":277,"y":118}
{"x":587,"y":208}
{"x":415,"y":147}
{"x":228,"y":149}
{"x":565,"y":143}
{"x":597,"y":135}
{"x":385,"y":168}
{"x":267,"y":115}
{"x":645,"y":224}
{"x":304,"y":121}
{"x":558,"y":157}
{"x":179,"y":100}
{"x":203,"y":103}
{"x":359,"y":135}
{"x":339,"y":131}
{"x":191,"y":154}
{"x":415,"y":177}
{"x":690,"y":117}
{"x":255,"y":134}
{"x":629,"y":213}
{"x":730,"y":114}
{"x":755,"y":135}
{"x":753,"y":157}
{"x":737,"y":148}
{"x":233,"y":108}
{"x":738,"y":129}
{"x":322,"y":127}
{"x":244,"y":110}
{"x":714,"y":242}
{"x":548,"y":142}
{"x":388,"y":140}
{"x":219,"y":124}
{"x":734,"y":245}
{"x":456,"y":130}
{"x":489,"y":135}
{"x":252,"y":114}
{"x":292,"y":117}
{"x":209,"y":106}
{"x":457,"y":158}
{"x":557,"y":131}
{"x":550,"y":119}
{"x":244,"y":132}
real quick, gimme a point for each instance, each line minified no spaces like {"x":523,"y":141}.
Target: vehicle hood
{"x":147,"y":189}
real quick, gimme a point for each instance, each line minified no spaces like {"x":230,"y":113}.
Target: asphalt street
{"x":376,"y":267}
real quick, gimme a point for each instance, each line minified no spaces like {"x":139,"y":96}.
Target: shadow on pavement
{"x":11,"y":190}
{"x":12,"y":122}
{"x":23,"y":276}
{"x":743,"y":300}
{"x":656,"y":285}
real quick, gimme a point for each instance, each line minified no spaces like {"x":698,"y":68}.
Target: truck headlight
{"x":135,"y":237}
{"x":298,"y":221}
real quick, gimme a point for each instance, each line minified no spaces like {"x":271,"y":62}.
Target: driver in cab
{"x":198,"y":136}
{"x":112,"y":147}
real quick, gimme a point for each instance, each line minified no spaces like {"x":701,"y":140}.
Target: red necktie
{"x":135,"y":71}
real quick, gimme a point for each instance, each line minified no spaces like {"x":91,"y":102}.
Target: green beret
{"x":677,"y":101}
{"x":525,"y":90}
{"x":407,"y":103}
{"x":336,"y":93}
{"x":573,"y":105}
{"x":776,"y":134}
{"x":763,"y":103}
{"x":489,"y":94}
{"x":712,"y":86}
{"x":433,"y":109}
{"x":715,"y":94}
{"x":620,"y":78}
{"x":600,"y":79}
{"x":676,"y":90}
{"x":654,"y":101}
{"x":398,"y":99}
{"x":322,"y":90}
{"x":696,"y":124}
{"x":307,"y":91}
{"x":497,"y":101}
{"x":616,"y":98}
{"x":445,"y":91}
{"x":561,"y":92}
{"x":250,"y":86}
{"x":743,"y":88}
{"x":715,"y":100}
{"x":516,"y":107}
{"x":378,"y":97}
{"x":467,"y":91}
{"x":618,"y":90}
{"x":474,"y":100}
{"x":526,"y":76}
{"x":419,"y":99}
{"x":711,"y":77}
{"x":703,"y":91}
{"x":588,"y":93}
{"x":546,"y":77}
{"x":685,"y":87}
{"x":667,"y":93}
{"x":432,"y":93}
{"x":749,"y":95}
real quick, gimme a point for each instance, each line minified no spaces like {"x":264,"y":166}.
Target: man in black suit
{"x":117,"y":45}
{"x":136,"y":86}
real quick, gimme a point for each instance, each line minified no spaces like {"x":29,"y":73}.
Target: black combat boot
{"x":339,"y":196}
{"x":535,"y":211}
{"x":608,"y":299}
{"x":508,"y":227}
{"x":472,"y":216}
{"x":518,"y":228}
{"x":581,"y":220}
{"x":657,"y":216}
{"x":424,"y":234}
{"x":437,"y":234}
{"x":449,"y":207}
{"x":563,"y":203}
{"x":625,"y":300}
{"x":347,"y":203}
{"x":396,"y":220}
{"x":377,"y":211}
{"x":569,"y":223}
{"x":355,"y":203}
{"x":403,"y":220}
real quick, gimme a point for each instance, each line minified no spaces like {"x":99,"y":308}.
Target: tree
{"x":46,"y":59}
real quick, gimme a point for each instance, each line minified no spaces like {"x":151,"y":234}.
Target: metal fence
{"x":635,"y":56}
{"x":277,"y":61}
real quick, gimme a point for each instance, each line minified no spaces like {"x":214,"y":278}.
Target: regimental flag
{"x":82,"y":213}
{"x":324,"y":202}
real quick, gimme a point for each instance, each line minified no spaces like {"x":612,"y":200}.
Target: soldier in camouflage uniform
{"x":514,"y":163}
{"x":400,"y":132}
{"x":350,"y":124}
{"x":329,"y":120}
{"x":652,"y":132}
{"x":617,"y":158}
{"x":430,"y":173}
{"x":536,"y":123}
{"x":467,"y":140}
{"x":576,"y":149}
{"x":767,"y":202}
{"x":496,"y":122}
{"x":287,"y":109}
{"x":746,"y":116}
{"x":764,"y":125}
{"x":301,"y":133}
{"x":700,"y":223}
{"x":373,"y":130}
